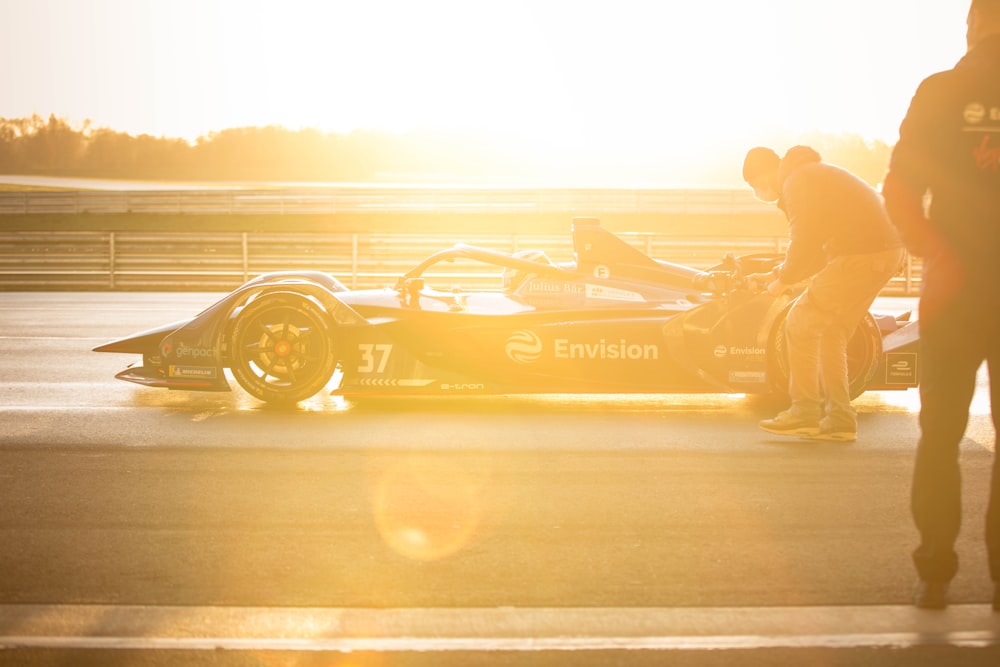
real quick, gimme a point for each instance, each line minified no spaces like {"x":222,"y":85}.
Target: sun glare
{"x":572,"y":79}
{"x":626,"y":87}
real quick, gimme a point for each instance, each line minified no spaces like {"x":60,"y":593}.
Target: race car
{"x":613,"y":320}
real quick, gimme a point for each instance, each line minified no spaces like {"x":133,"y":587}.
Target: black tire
{"x":864,"y":350}
{"x":282,"y":348}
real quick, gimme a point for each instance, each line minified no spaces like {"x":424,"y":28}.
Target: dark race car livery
{"x":614,"y":320}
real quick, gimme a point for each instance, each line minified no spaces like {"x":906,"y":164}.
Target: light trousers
{"x":819,"y":326}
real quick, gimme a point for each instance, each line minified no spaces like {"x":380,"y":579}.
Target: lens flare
{"x":426,"y":508}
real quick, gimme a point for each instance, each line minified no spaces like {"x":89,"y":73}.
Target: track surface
{"x":116,"y":497}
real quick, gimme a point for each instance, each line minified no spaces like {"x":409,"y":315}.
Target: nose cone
{"x":145,"y":342}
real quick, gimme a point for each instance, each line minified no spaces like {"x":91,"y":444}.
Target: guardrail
{"x":375,"y":199}
{"x":369,"y":251}
{"x":193,"y":261}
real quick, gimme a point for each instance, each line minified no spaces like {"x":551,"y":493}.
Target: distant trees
{"x":53,"y":146}
{"x":39,"y":146}
{"x":867,"y":160}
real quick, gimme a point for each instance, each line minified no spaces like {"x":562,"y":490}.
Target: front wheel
{"x":282,"y":348}
{"x":863,"y":352}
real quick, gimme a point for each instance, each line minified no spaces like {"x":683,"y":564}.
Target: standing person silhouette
{"x":949,"y":150}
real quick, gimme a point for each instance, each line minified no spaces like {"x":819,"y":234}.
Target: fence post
{"x":111,"y":260}
{"x":246,"y":257}
{"x":354,"y":260}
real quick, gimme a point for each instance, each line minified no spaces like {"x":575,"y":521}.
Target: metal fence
{"x":369,"y":253}
{"x":375,"y":199}
{"x":172,"y":261}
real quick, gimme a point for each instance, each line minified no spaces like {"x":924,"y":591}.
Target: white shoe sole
{"x":838,"y":436}
{"x":801,"y":432}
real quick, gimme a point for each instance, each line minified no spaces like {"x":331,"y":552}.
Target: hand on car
{"x":758,"y":282}
{"x":777,"y":288}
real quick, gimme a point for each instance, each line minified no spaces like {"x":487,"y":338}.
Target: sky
{"x":622,"y":79}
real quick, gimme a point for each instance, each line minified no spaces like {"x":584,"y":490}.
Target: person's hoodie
{"x":831,"y":212}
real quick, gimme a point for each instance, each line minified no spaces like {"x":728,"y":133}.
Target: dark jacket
{"x":831,"y":212}
{"x":949,"y":146}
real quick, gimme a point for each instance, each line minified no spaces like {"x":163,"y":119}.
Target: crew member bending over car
{"x":840,"y":238}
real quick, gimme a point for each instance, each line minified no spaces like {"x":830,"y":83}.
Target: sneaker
{"x":788,"y":424}
{"x":931,"y":595}
{"x":828,"y":431}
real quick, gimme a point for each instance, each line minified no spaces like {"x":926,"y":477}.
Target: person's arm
{"x":910,"y":172}
{"x":806,"y":220}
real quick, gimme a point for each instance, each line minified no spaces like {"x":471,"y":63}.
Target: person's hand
{"x":777,"y":288}
{"x":757,"y":282}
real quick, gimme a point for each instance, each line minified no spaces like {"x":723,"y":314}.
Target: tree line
{"x":53,"y":146}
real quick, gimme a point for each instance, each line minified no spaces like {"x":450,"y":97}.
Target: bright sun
{"x":559,"y":72}
{"x":627,"y":83}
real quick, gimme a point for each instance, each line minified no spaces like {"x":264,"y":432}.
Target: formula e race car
{"x":613,"y":320}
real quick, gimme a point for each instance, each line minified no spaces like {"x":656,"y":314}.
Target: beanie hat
{"x":759,"y":160}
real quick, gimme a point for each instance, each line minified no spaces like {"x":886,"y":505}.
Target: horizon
{"x":433,"y":158}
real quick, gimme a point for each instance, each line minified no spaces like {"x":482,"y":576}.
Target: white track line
{"x":491,"y":629}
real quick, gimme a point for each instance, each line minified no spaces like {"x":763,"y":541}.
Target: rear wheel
{"x":282,"y":348}
{"x":863,"y":352}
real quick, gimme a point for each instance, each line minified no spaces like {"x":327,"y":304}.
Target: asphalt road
{"x":118,"y":497}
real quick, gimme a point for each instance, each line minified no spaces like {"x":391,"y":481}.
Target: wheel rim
{"x":281,"y":353}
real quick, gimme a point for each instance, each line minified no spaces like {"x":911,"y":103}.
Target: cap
{"x":758,"y":161}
